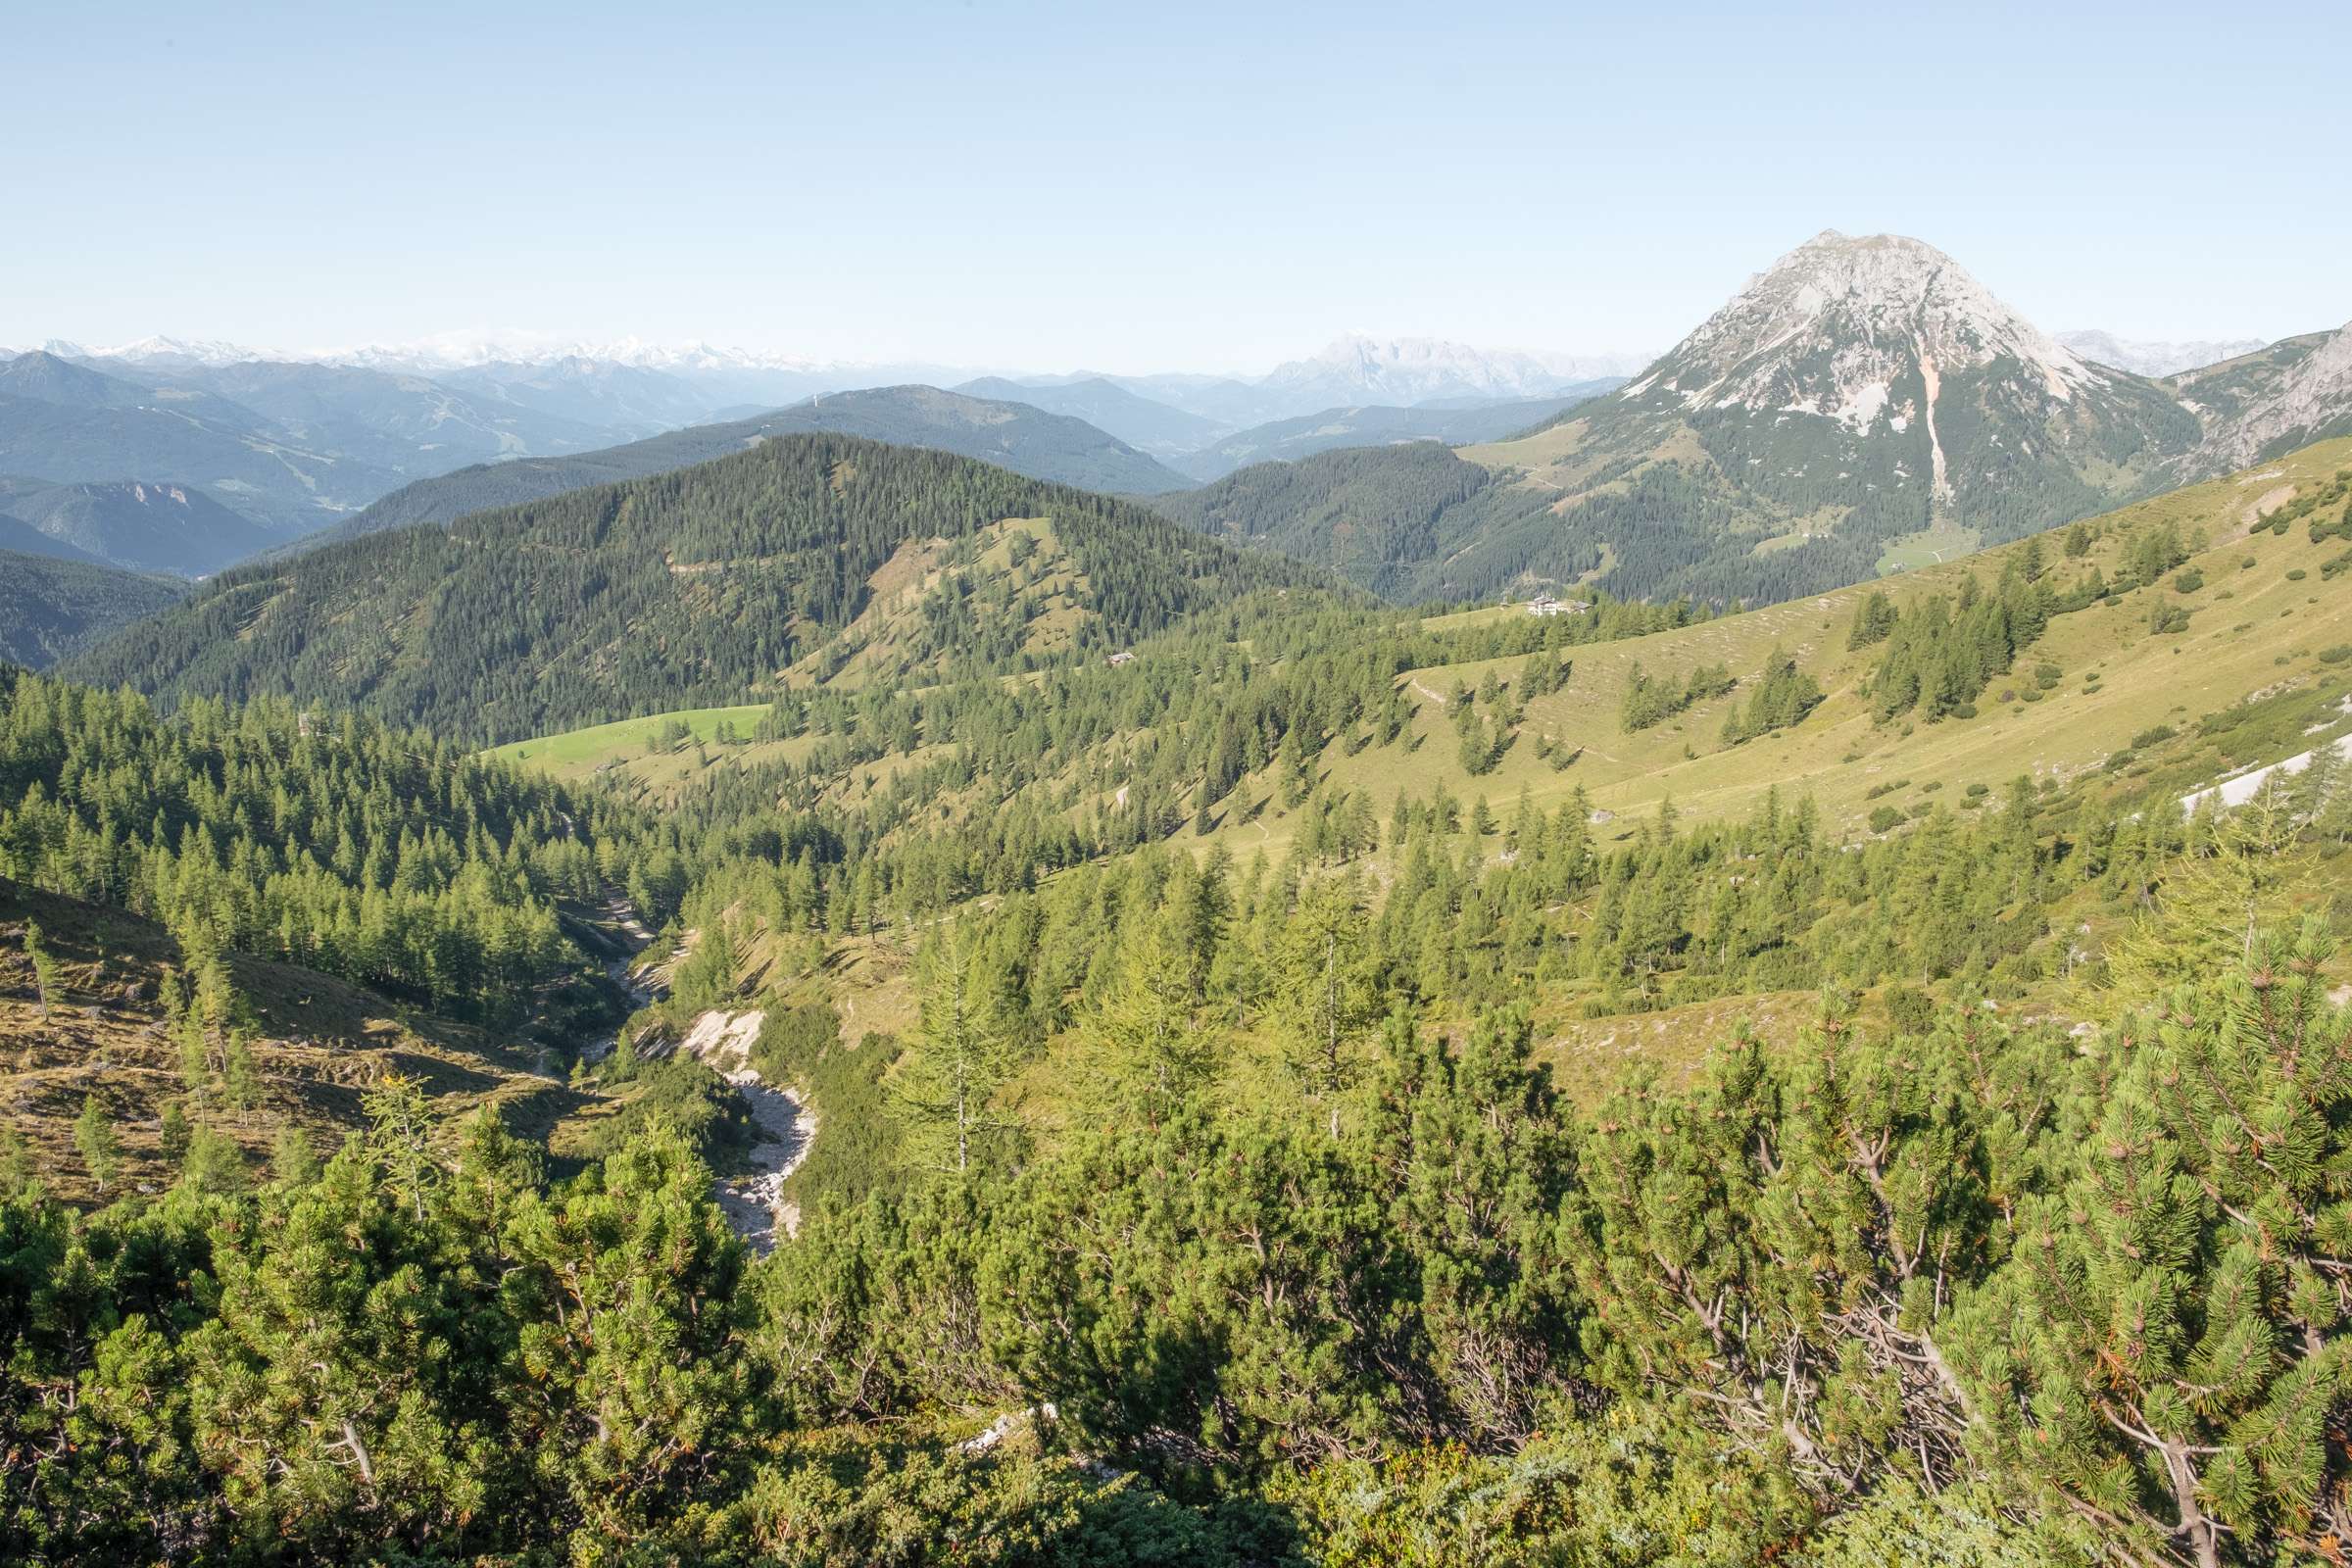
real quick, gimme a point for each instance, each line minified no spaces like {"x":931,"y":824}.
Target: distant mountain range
{"x":1289,"y":440}
{"x":1010,"y":435}
{"x":68,"y":424}
{"x":640,"y":387}
{"x":1146,"y":425}
{"x":1416,"y":369}
{"x":292,"y":445}
{"x":245,"y":453}
{"x":1862,"y":401}
{"x":2154,"y":359}
{"x":1357,"y":371}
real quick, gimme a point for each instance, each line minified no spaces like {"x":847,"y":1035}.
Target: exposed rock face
{"x":2310,"y":402}
{"x":1875,"y":376}
{"x":1838,"y":326}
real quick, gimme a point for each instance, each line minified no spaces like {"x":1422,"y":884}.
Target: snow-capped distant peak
{"x":467,"y":350}
{"x":1410,"y":370}
{"x":2143,"y":357}
{"x":159,"y":350}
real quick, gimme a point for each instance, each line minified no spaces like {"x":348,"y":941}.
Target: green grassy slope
{"x":2262,"y":620}
{"x":2251,"y":627}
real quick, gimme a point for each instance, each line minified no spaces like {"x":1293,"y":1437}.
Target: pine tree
{"x":2165,"y":1348}
{"x":400,"y":1138}
{"x":240,"y":1073}
{"x":214,"y":1162}
{"x":2215,"y":899}
{"x":293,"y":1161}
{"x":175,"y":1136}
{"x":1155,"y":1051}
{"x":1871,"y":622}
{"x":95,"y":1140}
{"x":1325,"y":997}
{"x":44,"y":969}
{"x":960,"y":1060}
{"x":16,"y":1163}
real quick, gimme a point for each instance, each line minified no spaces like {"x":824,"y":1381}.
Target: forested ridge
{"x":683,"y":588}
{"x":51,"y":609}
{"x":1016,"y":437}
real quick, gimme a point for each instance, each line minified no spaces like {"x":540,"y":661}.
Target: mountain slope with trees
{"x":135,"y":525}
{"x":2269,"y":403}
{"x":53,"y":607}
{"x":2105,"y":651}
{"x":1205,"y":1000}
{"x":1411,"y":522}
{"x":1353,"y":1269}
{"x":682,"y":589}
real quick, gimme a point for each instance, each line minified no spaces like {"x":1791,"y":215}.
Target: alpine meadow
{"x":745,"y":821}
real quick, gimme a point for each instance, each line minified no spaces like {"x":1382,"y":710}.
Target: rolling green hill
{"x":2250,"y":627}
{"x":699,"y":586}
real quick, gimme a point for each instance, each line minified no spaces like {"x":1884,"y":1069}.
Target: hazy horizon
{"x":1044,"y":190}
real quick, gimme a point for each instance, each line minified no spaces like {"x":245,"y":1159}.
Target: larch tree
{"x":95,"y":1140}
{"x":961,"y":1057}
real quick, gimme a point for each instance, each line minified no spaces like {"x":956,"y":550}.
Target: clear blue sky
{"x":1166,"y":186}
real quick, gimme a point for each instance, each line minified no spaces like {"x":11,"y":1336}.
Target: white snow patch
{"x":2243,"y":788}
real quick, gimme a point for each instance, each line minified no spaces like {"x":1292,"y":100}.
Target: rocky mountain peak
{"x":1843,"y":327}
